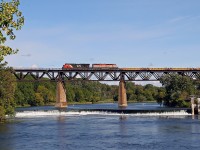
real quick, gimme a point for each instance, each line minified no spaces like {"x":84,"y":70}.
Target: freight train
{"x":114,"y":66}
{"x":160,"y":69}
{"x":87,"y":66}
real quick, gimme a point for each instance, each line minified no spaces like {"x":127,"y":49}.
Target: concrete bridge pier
{"x":122,"y":98}
{"x":61,"y":100}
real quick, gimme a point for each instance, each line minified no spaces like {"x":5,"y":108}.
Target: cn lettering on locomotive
{"x":76,"y":66}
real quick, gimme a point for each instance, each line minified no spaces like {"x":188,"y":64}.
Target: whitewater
{"x":30,"y":114}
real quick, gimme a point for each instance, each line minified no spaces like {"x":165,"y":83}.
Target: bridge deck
{"x":103,"y":74}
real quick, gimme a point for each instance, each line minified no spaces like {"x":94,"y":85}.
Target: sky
{"x":129,"y":33}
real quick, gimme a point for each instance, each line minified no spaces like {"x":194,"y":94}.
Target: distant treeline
{"x":44,"y":93}
{"x":176,"y":89}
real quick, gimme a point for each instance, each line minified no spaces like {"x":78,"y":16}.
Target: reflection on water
{"x":61,"y":119}
{"x":5,"y":141}
{"x":122,"y":117}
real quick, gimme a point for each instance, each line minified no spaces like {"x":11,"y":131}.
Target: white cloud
{"x":179,"y":19}
{"x":34,"y":66}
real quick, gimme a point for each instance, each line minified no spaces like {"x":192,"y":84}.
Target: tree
{"x":161,"y":95}
{"x":7,"y":89}
{"x":19,"y":97}
{"x":45,"y":93}
{"x":130,"y":91}
{"x":27,"y":89}
{"x":70,"y":93}
{"x":115,"y":98}
{"x":178,"y":89}
{"x":2,"y":114}
{"x":38,"y":100}
{"x":149,"y":95}
{"x":79,"y":97}
{"x":141,"y":98}
{"x":10,"y":18}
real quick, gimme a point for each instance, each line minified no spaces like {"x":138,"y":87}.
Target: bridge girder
{"x":100,"y":74}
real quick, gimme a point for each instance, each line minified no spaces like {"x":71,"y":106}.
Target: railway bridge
{"x":121,"y":75}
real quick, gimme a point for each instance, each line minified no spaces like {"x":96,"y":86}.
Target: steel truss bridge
{"x":114,"y":74}
{"x":104,"y":74}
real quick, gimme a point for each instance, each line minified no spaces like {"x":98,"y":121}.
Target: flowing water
{"x":75,"y":128}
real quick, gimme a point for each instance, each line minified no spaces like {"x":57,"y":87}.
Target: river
{"x":47,"y":128}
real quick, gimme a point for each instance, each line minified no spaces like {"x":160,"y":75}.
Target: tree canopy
{"x":178,"y":89}
{"x":7,"y":90}
{"x":44,"y":93}
{"x":10,"y":19}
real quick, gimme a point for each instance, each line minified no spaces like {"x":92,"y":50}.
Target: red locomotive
{"x":81,"y":66}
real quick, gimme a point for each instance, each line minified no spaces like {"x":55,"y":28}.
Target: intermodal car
{"x":104,"y":66}
{"x":160,"y":69}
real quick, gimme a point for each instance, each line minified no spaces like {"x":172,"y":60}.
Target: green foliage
{"x":174,"y":92}
{"x":70,"y":93}
{"x":26,"y":93}
{"x":141,"y":93}
{"x":35,"y":93}
{"x":10,"y":18}
{"x":2,"y":114}
{"x":178,"y":89}
{"x":7,"y":89}
{"x":161,"y":95}
{"x":115,"y":97}
{"x":141,"y":98}
{"x":79,"y":91}
{"x":38,"y":101}
{"x":79,"y":97}
{"x":46,"y":94}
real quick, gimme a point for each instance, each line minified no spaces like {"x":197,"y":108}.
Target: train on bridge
{"x":114,"y":66}
{"x":87,"y":66}
{"x":161,"y":69}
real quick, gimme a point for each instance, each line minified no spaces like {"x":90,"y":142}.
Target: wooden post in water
{"x":61,"y":100}
{"x":198,"y":105}
{"x":122,"y":99}
{"x":192,"y":105}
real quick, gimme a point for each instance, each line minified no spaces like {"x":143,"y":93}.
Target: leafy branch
{"x":10,"y":19}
